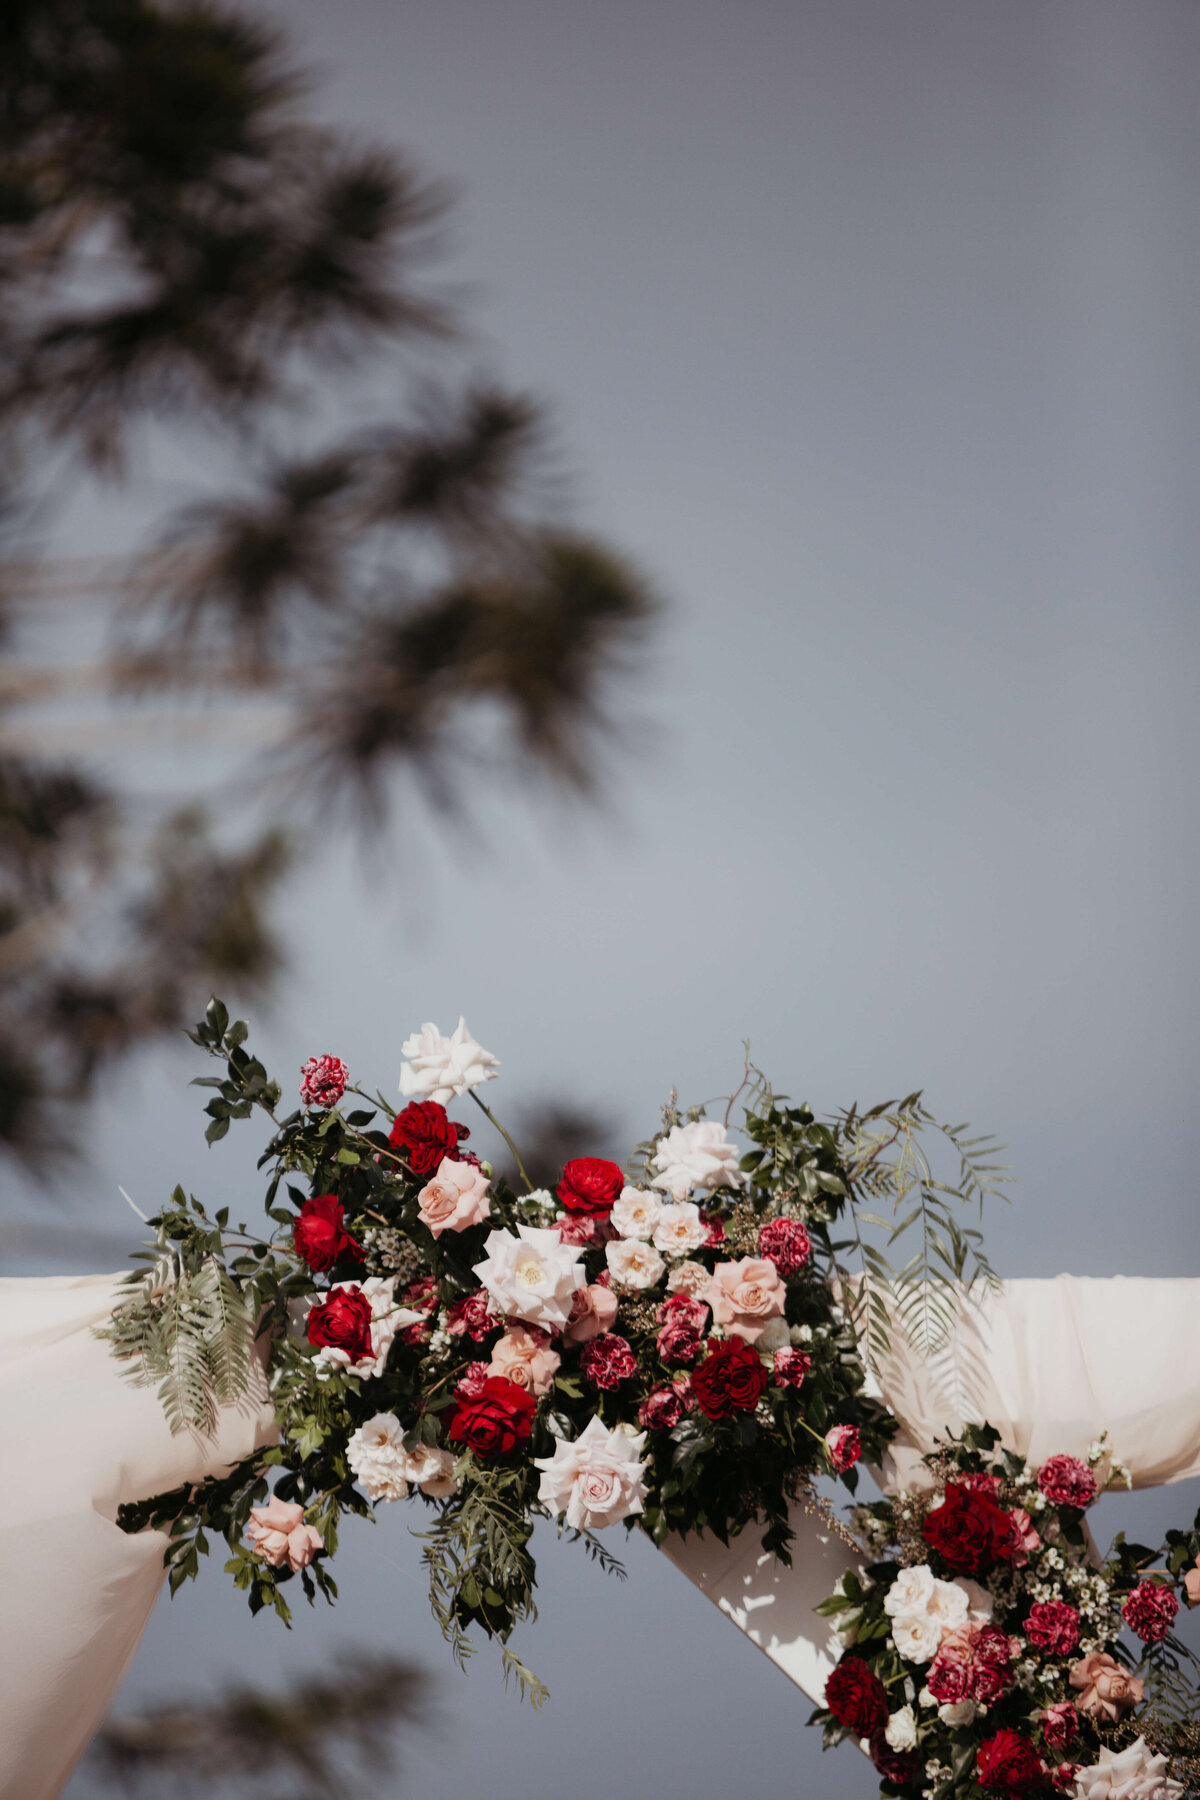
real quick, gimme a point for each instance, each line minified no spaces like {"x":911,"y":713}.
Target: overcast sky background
{"x":871,"y":331}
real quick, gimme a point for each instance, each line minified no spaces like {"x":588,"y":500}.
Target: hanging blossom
{"x":384,"y":1468}
{"x":441,"y":1068}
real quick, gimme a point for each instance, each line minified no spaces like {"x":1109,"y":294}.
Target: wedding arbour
{"x":692,"y":1344}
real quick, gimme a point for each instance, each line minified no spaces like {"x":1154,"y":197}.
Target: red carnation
{"x":992,"y":1655}
{"x":323,"y":1081}
{"x":424,"y":1135}
{"x":607,"y":1360}
{"x":903,"y":1768}
{"x":791,"y":1366}
{"x":1067,"y":1482}
{"x":496,"y":1421}
{"x":1009,"y":1764}
{"x":679,"y":1343}
{"x":1053,"y":1625}
{"x":856,"y":1697}
{"x":785,"y":1243}
{"x":950,"y":1679}
{"x":1060,"y":1725}
{"x":661,"y":1410}
{"x":969,"y":1531}
{"x":342,"y":1322}
{"x":470,"y":1317}
{"x":731,"y":1378}
{"x":590,"y":1184}
{"x":320,"y":1236}
{"x":1149,"y":1611}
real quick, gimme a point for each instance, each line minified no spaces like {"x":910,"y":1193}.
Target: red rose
{"x":785,"y":1243}
{"x":856,"y":1697}
{"x":470,"y":1317}
{"x":903,"y":1768}
{"x":1053,"y":1625}
{"x":791,"y":1366}
{"x":589,"y":1184}
{"x":342,"y":1322}
{"x":424,"y":1134}
{"x":1067,"y":1482}
{"x":1009,"y":1764}
{"x":730,"y":1379}
{"x":1149,"y":1611}
{"x":969,"y":1531}
{"x":607,"y":1360}
{"x":661,"y":1410}
{"x":321,"y":1237}
{"x":497,"y":1420}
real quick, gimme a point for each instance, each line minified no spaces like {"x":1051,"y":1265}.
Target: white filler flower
{"x":596,"y":1480}
{"x":532,"y":1276}
{"x":441,"y":1068}
{"x":696,"y":1156}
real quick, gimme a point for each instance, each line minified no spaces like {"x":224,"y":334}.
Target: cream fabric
{"x":76,"y":1592}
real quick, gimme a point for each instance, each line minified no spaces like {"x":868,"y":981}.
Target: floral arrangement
{"x":989,"y":1651}
{"x":664,"y":1345}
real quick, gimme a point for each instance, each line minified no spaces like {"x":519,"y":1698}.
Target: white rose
{"x":635,"y":1213}
{"x":916,"y":1636}
{"x":948,"y":1604}
{"x":688,"y":1278}
{"x":680,"y":1229}
{"x":957,"y":1712}
{"x":432,"y":1470}
{"x":596,"y":1480}
{"x":633,"y":1263}
{"x":532,"y":1276}
{"x":1131,"y":1774}
{"x":910,"y":1591}
{"x":901,"y":1729}
{"x":980,"y":1605}
{"x":386,"y":1320}
{"x":696,"y":1156}
{"x":440,"y":1068}
{"x":376,"y":1454}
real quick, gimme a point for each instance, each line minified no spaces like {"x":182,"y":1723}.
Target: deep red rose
{"x":1053,"y":1625}
{"x":1009,"y":1764}
{"x":903,"y":1768}
{"x":320,"y":1235}
{"x":969,"y":1531}
{"x":791,"y":1366}
{"x":785,"y":1243}
{"x":856,"y":1697}
{"x":470,"y":1317}
{"x":496,"y":1421}
{"x":661,"y":1410}
{"x":731,"y":1378}
{"x":607,"y":1360}
{"x":424,"y":1135}
{"x":590,"y":1184}
{"x":1149,"y":1611}
{"x":342,"y":1322}
{"x":1067,"y":1482}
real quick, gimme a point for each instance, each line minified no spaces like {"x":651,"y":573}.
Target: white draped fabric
{"x":1050,"y":1363}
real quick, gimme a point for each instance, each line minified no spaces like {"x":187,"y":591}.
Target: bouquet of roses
{"x":990,"y":1652}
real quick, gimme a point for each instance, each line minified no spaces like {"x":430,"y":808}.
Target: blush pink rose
{"x":456,"y":1198}
{"x":525,"y":1357}
{"x":279,"y":1535}
{"x":1105,"y":1689}
{"x":745,"y":1295}
{"x":593,"y":1311}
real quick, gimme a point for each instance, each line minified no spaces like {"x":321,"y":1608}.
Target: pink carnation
{"x":716,"y":1230}
{"x":323,"y":1081}
{"x":470,"y":1383}
{"x":682,"y":1311}
{"x":607,"y":1361}
{"x":978,"y":1483}
{"x":791,"y":1366}
{"x":470,"y":1317}
{"x":1067,"y":1482}
{"x":785,"y":1243}
{"x":1054,"y":1626}
{"x":661,"y":1410}
{"x":1149,"y":1611}
{"x":679,"y":1344}
{"x":950,"y":1679}
{"x":844,"y":1446}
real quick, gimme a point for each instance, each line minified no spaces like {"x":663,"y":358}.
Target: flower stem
{"x":489,"y":1114}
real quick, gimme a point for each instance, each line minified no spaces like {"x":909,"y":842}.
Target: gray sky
{"x":871,"y":330}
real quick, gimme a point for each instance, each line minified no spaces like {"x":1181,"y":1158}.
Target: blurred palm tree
{"x":182,"y":251}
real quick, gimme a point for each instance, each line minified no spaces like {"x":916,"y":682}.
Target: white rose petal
{"x":432,"y":1470}
{"x":532,"y":1276}
{"x":377,"y":1456}
{"x":635,"y":1213}
{"x":911,"y":1591}
{"x":634,"y":1264}
{"x":901,"y":1729}
{"x":696,"y":1156}
{"x":917,"y":1636}
{"x":958,"y":1712}
{"x":596,"y":1480}
{"x":680,"y":1229}
{"x":441,"y":1068}
{"x":1131,"y":1774}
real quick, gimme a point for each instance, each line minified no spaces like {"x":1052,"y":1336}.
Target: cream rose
{"x":596,"y":1480}
{"x":698,"y":1155}
{"x":455,"y":1198}
{"x":917,"y":1635}
{"x":532,"y":1276}
{"x":744,"y":1295}
{"x":378,"y":1458}
{"x":680,"y":1229}
{"x":440,"y":1068}
{"x":957,"y":1712}
{"x":635,"y":1213}
{"x":634,"y":1264}
{"x":278,"y":1534}
{"x":1129,"y":1774}
{"x":432,"y":1470}
{"x":527,"y":1359}
{"x":901,"y":1729}
{"x":688,"y":1278}
{"x":910,"y":1592}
